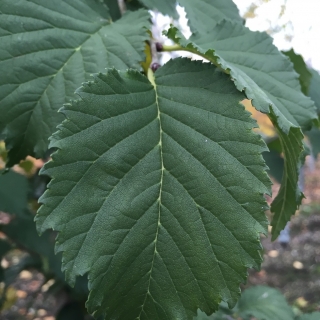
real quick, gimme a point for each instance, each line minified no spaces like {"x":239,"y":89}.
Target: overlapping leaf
{"x":268,"y":78}
{"x":157,"y":192}
{"x":48,"y":48}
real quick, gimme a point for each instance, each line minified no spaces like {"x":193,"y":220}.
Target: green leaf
{"x":157,"y":192}
{"x":166,"y":7}
{"x":204,"y":14}
{"x":264,"y":303}
{"x":268,"y":78}
{"x":310,"y":316}
{"x":48,"y":48}
{"x":14,"y":190}
{"x":301,"y":68}
{"x":114,"y":9}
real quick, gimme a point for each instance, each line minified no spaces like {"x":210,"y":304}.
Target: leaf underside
{"x":267,"y":77}
{"x":157,"y":192}
{"x":48,"y":48}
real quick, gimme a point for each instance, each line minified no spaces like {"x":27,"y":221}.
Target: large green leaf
{"x":301,"y":68}
{"x":48,"y":48}
{"x":157,"y":192}
{"x":268,"y":78}
{"x":264,"y":303}
{"x":204,"y":14}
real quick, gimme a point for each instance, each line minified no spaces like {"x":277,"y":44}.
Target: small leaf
{"x":157,"y":192}
{"x":48,"y":48}
{"x":264,"y":303}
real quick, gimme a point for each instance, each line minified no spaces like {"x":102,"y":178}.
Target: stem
{"x":177,"y":47}
{"x":151,"y":77}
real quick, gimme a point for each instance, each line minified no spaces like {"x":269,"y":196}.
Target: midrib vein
{"x":151,"y":78}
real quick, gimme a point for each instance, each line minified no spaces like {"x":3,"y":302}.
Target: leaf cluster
{"x":158,"y":178}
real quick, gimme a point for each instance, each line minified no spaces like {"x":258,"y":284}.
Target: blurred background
{"x":32,"y":285}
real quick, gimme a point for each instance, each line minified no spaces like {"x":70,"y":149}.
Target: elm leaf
{"x":157,"y":191}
